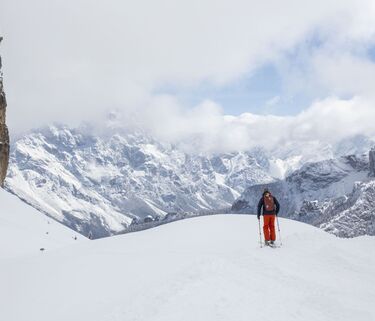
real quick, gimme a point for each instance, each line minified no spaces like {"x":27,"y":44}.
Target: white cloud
{"x":70,"y":60}
{"x":73,"y":60}
{"x":206,"y":129}
{"x":345,"y":74}
{"x":327,"y":121}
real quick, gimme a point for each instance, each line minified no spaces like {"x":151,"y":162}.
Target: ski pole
{"x":278,"y":229}
{"x":260,"y":233}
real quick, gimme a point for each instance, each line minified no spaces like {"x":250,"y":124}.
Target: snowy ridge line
{"x":36,"y":207}
{"x":178,"y":217}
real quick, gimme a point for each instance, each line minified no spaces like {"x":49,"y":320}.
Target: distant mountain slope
{"x":100,"y":184}
{"x":353,"y":214}
{"x":208,"y":268}
{"x":337,"y":195}
{"x":24,"y":230}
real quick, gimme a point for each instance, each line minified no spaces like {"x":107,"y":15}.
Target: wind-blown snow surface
{"x":24,"y":230}
{"x":207,"y":268}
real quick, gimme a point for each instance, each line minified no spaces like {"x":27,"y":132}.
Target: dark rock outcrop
{"x":372,"y":162}
{"x":4,"y":134}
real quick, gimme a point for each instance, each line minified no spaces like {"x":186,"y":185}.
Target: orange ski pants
{"x":269,"y":227}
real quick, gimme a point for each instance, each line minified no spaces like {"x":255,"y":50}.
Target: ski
{"x":275,"y":246}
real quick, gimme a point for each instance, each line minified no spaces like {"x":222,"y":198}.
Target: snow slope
{"x":206,"y":268}
{"x":24,"y":230}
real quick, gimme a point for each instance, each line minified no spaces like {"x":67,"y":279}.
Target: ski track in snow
{"x":206,"y":268}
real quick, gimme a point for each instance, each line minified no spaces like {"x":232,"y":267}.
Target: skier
{"x":271,"y":208}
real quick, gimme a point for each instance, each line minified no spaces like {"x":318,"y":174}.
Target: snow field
{"x":207,"y":268}
{"x":24,"y":230}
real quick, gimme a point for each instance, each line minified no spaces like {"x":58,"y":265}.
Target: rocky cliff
{"x":4,"y":135}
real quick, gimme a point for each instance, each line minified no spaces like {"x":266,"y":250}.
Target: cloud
{"x":74,"y":61}
{"x":345,"y":74}
{"x":334,"y":119}
{"x":327,"y":121}
{"x":206,"y":129}
{"x":71,"y":60}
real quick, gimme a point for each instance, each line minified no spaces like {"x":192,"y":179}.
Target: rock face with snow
{"x":353,"y":214}
{"x":4,"y":134}
{"x":103,"y":183}
{"x":336,"y":195}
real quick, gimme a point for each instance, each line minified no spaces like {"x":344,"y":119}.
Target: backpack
{"x":269,"y":204}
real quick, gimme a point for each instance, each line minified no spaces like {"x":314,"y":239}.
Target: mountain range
{"x":102,"y":183}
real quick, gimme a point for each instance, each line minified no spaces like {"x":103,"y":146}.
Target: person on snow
{"x":271,"y":208}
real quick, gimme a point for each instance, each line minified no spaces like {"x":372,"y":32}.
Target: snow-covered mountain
{"x":207,"y":268}
{"x":103,"y":183}
{"x":337,"y":195}
{"x":352,"y":214}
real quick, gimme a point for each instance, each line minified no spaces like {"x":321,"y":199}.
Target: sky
{"x":202,"y":67}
